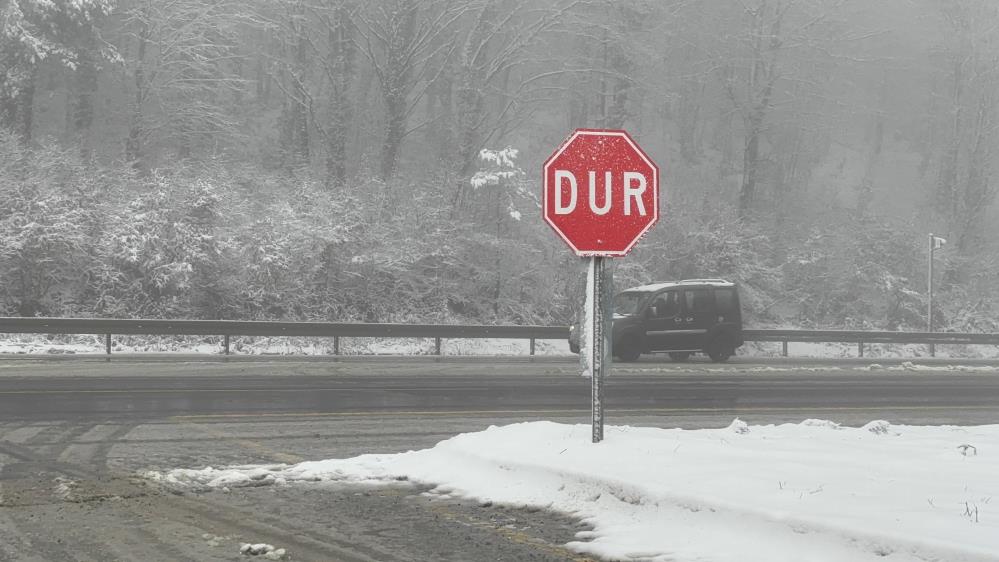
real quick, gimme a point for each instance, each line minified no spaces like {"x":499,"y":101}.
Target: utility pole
{"x":929,"y":289}
{"x":935,"y":242}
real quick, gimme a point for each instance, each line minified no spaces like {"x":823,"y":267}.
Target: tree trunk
{"x":396,"y":84}
{"x":978,"y":194}
{"x":26,"y":107}
{"x":296,"y":113}
{"x":470,"y":108}
{"x":134,"y":149}
{"x":83,"y":101}
{"x":395,"y":128}
{"x":865,"y":194}
{"x":336,"y":142}
{"x":750,"y":165}
{"x":947,"y":189}
{"x":340,"y":110}
{"x":16,"y":106}
{"x":299,"y":111}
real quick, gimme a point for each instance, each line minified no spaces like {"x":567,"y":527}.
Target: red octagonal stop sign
{"x":601,"y":192}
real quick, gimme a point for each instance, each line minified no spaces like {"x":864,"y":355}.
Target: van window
{"x":725,"y":301}
{"x":626,"y":304}
{"x":698,"y":301}
{"x":667,"y":305}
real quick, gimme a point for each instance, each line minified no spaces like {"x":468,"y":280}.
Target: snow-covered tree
{"x":36,"y":31}
{"x":49,"y":213}
{"x":180,"y":73}
{"x":406,"y":42}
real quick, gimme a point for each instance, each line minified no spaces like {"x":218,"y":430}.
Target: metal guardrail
{"x":862,"y":338}
{"x":229,"y":328}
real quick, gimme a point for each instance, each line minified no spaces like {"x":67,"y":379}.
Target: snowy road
{"x":760,"y":391}
{"x":74,"y":435}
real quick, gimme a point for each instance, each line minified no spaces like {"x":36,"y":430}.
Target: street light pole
{"x":935,"y":242}
{"x":929,"y":289}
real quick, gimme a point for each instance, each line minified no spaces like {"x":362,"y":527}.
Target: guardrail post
{"x":532,"y":346}
{"x":336,"y":345}
{"x":437,"y":346}
{"x":107,"y":345}
{"x":783,"y":348}
{"x":860,"y":349}
{"x":933,"y":350}
{"x":226,"y":344}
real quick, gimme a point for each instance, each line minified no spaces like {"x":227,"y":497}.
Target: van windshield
{"x":626,"y":304}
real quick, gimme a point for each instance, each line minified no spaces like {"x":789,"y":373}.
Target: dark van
{"x":678,"y":318}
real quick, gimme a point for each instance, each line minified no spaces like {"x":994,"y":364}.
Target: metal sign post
{"x":599,"y":285}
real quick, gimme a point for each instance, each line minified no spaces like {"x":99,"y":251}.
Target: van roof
{"x":683,"y":283}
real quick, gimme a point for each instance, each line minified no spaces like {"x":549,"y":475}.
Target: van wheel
{"x":720,"y":349}
{"x":626,"y":351}
{"x":679,"y":356}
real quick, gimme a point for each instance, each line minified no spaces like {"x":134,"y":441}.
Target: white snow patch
{"x":810,"y":491}
{"x":18,"y":344}
{"x":261,"y":345}
{"x":213,"y":540}
{"x":821,"y":423}
{"x":232,"y":477}
{"x":254,"y":549}
{"x":878,"y":427}
{"x":878,"y":350}
{"x":739,"y":426}
{"x":65,"y":488}
{"x":586,"y":339}
{"x":268,"y":551}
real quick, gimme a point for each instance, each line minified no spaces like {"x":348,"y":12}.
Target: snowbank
{"x":262,"y":345}
{"x":812,"y":491}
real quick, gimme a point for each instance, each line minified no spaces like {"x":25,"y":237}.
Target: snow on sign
{"x":601,"y":192}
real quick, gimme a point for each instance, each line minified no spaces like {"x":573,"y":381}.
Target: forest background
{"x":379,"y":160}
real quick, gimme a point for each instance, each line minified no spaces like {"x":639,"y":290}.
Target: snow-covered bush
{"x":49,"y":213}
{"x":506,"y":260}
{"x":857,"y":275}
{"x":162,"y":254}
{"x":210,"y":241}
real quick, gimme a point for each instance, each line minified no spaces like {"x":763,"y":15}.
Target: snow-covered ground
{"x":878,"y":350}
{"x":268,"y":551}
{"x":84,"y":344}
{"x":813,"y":491}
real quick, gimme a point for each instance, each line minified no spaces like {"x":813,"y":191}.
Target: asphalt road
{"x":935,"y":392}
{"x":76,"y":437}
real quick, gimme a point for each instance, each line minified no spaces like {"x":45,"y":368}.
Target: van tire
{"x":627,"y":351}
{"x":679,"y":356}
{"x":720,"y":349}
